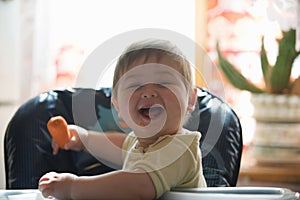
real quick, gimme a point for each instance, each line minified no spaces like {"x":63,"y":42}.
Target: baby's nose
{"x":148,"y":92}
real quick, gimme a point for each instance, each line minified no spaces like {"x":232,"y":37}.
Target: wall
{"x":9,"y":51}
{"x":20,"y":70}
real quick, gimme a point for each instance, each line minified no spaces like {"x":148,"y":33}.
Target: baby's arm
{"x":104,"y":146}
{"x":71,"y":137}
{"x":113,"y":185}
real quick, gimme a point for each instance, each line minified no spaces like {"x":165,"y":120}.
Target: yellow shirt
{"x":173,"y":161}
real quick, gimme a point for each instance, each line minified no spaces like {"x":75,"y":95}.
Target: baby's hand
{"x":75,"y":143}
{"x":78,"y":135}
{"x":56,"y":185}
{"x":58,"y":129}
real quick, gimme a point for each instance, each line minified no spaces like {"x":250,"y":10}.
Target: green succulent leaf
{"x":277,"y":77}
{"x":281,"y":72}
{"x":265,"y":66}
{"x":234,"y":76}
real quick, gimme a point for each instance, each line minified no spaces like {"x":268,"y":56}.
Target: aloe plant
{"x":277,"y":78}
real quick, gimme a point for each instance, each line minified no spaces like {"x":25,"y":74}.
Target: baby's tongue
{"x":155,"y":111}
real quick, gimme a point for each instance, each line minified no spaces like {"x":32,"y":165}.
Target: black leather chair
{"x":27,"y":143}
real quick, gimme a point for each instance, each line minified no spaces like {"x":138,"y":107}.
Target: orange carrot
{"x":57,"y":127}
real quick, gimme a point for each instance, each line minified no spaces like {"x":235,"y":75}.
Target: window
{"x":238,"y":26}
{"x":75,"y":28}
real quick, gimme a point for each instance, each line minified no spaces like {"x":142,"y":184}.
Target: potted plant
{"x":279,"y":90}
{"x":277,"y":78}
{"x":276,"y":105}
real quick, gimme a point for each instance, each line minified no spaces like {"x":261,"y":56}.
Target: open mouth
{"x":151,"y":112}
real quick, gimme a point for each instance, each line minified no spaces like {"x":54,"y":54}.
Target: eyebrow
{"x":166,"y":73}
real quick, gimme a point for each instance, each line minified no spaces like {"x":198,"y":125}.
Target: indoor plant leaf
{"x":281,"y":71}
{"x":265,"y":66}
{"x":234,"y":76}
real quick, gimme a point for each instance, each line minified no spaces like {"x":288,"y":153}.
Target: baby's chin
{"x":149,"y":129}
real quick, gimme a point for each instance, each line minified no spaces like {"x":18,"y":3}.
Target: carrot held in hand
{"x":58,"y":129}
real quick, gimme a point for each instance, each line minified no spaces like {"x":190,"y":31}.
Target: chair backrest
{"x":26,"y":134}
{"x":221,"y":143}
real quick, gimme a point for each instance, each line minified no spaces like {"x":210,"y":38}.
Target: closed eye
{"x":166,"y":83}
{"x":133,"y":86}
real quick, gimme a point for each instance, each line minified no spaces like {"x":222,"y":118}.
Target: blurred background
{"x":43,"y":43}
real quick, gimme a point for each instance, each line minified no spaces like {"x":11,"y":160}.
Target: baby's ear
{"x":192,"y":100}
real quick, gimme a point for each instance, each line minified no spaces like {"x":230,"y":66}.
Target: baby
{"x":153,"y":93}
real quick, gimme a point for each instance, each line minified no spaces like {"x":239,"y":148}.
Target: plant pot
{"x":276,"y":108}
{"x":277,"y":133}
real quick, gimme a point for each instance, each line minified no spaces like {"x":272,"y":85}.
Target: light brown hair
{"x":148,"y":48}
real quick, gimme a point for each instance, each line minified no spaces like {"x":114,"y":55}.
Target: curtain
{"x":298,"y":26}
{"x":33,"y":51}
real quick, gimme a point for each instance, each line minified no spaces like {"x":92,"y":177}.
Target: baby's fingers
{"x":48,"y":177}
{"x":47,"y":191}
{"x":73,"y":144}
{"x":55,"y":147}
{"x":46,"y":184}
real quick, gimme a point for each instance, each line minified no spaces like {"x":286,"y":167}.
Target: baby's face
{"x":153,"y":97}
